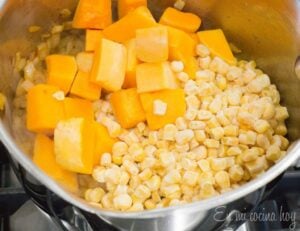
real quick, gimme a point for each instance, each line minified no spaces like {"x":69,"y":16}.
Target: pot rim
{"x":292,"y":155}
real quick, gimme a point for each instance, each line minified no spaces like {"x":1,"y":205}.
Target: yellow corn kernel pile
{"x":233,"y":130}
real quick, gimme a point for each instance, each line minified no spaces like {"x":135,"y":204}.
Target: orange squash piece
{"x":93,"y":14}
{"x":125,"y":28}
{"x":74,"y":145}
{"x":75,"y":108}
{"x":83,"y":88}
{"x":104,"y":142}
{"x":61,"y":71}
{"x":184,"y":21}
{"x":154,"y":77}
{"x":181,"y":44}
{"x":152,"y":44}
{"x":190,"y":66}
{"x":176,"y":107}
{"x":43,"y":110}
{"x":216,"y":41}
{"x":125,"y":6}
{"x":44,"y":158}
{"x":109,"y":65}
{"x":132,"y":62}
{"x":92,"y":39}
{"x":127,"y":107}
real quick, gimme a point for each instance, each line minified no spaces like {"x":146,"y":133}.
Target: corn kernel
{"x":269,"y":111}
{"x":118,"y":160}
{"x":153,"y":183}
{"x":216,"y":105}
{"x":258,"y":84}
{"x":222,"y":179}
{"x":193,"y":143}
{"x":155,"y":196}
{"x":255,"y":167}
{"x":205,"y":75}
{"x":204,"y":165}
{"x":202,"y":50}
{"x":188,"y":164}
{"x":217,"y":133}
{"x":150,"y":204}
{"x":159,"y":107}
{"x":204,"y":115}
{"x":234,"y":96}
{"x":183,"y":137}
{"x":142,"y":192}
{"x":149,"y":162}
{"x":210,"y":143}
{"x":218,"y":65}
{"x":146,"y":174}
{"x":191,"y":114}
{"x":273,"y":153}
{"x":179,"y":4}
{"x":236,"y":173}
{"x":137,"y":206}
{"x":261,"y":126}
{"x":233,"y":151}
{"x":122,"y":202}
{"x":106,"y":201}
{"x":234,"y":73}
{"x":218,"y":164}
{"x":177,"y":66}
{"x":134,"y":182}
{"x":181,"y":123}
{"x":190,"y":178}
{"x":183,"y":77}
{"x":204,"y":62}
{"x":231,"y":130}
{"x":249,"y":138}
{"x":281,"y":113}
{"x":153,"y":137}
{"x":262,"y":141}
{"x":137,"y":152}
{"x":99,"y":174}
{"x":170,"y":190}
{"x":212,"y":152}
{"x":173,"y":177}
{"x":167,"y":159}
{"x":131,"y":167}
{"x":124,"y":178}
{"x":113,"y":175}
{"x":250,"y":155}
{"x":150,"y":150}
{"x":105,"y":159}
{"x":192,"y":101}
{"x":207,"y":190}
{"x":94,"y":195}
{"x":169,"y":132}
{"x":190,"y":87}
{"x":200,"y":135}
{"x":281,"y":129}
{"x":230,"y":141}
{"x":221,"y":82}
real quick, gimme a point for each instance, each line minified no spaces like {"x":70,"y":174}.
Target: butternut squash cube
{"x":184,"y":21}
{"x":44,"y":158}
{"x":61,"y":71}
{"x":92,"y":39}
{"x":75,"y":108}
{"x":83,"y":88}
{"x":181,"y":44}
{"x":74,"y":145}
{"x":216,"y":41}
{"x":176,"y":107}
{"x":127,"y":107}
{"x":43,"y":110}
{"x":154,"y":77}
{"x":194,"y":36}
{"x":125,"y":6}
{"x":104,"y":142}
{"x":152,"y":44}
{"x":109,"y":65}
{"x":190,"y":66}
{"x":125,"y":28}
{"x":93,"y":14}
{"x":132,"y":62}
{"x":85,"y":61}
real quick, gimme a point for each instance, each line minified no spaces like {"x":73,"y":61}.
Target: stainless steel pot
{"x":267,"y":31}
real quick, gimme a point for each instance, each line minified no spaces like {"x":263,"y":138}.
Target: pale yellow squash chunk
{"x":109,"y":66}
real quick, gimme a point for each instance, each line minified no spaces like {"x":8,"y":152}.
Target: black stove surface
{"x":280,"y":211}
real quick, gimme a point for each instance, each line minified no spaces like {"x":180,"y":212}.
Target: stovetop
{"x":280,"y":211}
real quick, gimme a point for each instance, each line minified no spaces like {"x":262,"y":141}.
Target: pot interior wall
{"x":266,"y":31}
